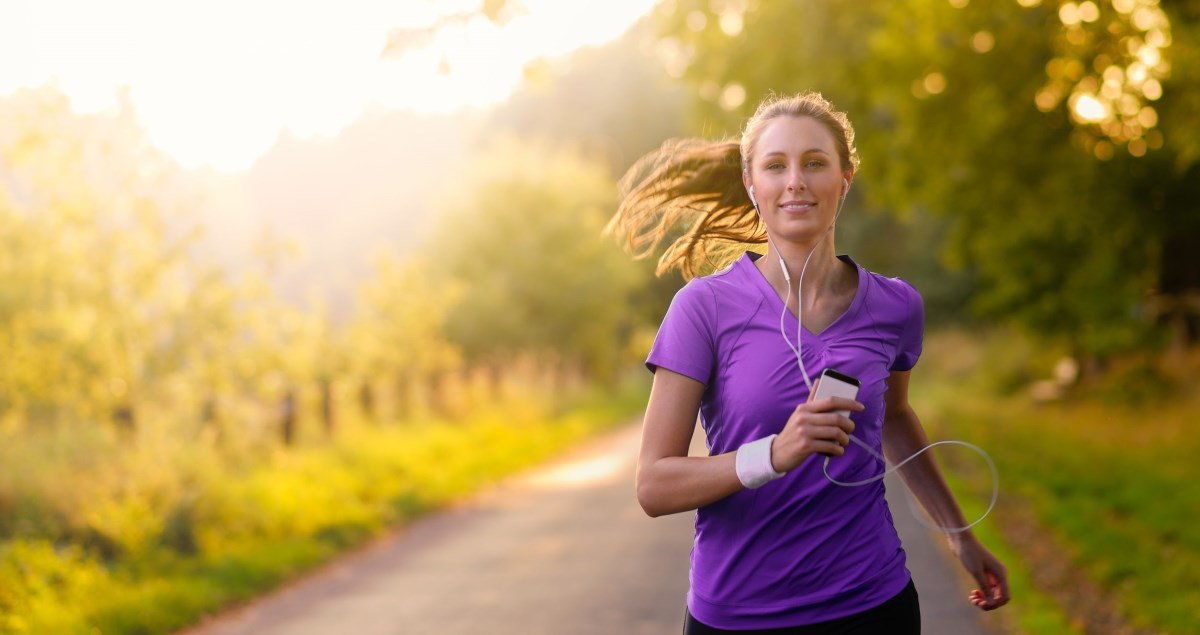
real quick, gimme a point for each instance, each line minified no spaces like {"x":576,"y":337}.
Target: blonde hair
{"x":695,"y":187}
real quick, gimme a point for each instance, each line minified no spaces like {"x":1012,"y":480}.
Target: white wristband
{"x":753,"y":463}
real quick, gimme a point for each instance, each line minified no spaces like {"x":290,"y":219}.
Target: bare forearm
{"x":674,"y":484}
{"x":904,"y":437}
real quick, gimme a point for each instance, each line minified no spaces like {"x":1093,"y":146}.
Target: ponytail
{"x":688,"y":192}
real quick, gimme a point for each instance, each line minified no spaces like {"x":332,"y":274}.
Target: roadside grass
{"x":1032,"y":611}
{"x":1108,"y":477}
{"x":186,"y":533}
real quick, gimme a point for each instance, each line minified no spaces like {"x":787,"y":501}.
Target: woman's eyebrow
{"x":782,"y":153}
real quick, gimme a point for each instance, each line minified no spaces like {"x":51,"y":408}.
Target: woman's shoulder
{"x":893,"y":287}
{"x":731,"y":278}
{"x":727,"y":293}
{"x":891,"y":298}
{"x":897,"y":308}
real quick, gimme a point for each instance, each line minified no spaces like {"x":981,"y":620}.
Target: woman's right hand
{"x":814,"y":427}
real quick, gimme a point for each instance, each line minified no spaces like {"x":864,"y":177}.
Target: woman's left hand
{"x":987,"y":571}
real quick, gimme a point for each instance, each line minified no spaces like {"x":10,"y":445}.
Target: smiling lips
{"x":797,"y":206}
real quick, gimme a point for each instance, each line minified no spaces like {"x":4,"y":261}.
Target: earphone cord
{"x":916,"y":514}
{"x":799,"y":326}
{"x":808,"y":381}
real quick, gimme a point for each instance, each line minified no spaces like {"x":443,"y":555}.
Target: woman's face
{"x":797,"y":177}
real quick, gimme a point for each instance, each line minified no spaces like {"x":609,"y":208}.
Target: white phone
{"x":835,"y":384}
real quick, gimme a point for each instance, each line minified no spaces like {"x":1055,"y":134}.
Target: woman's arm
{"x":903,"y":435}
{"x":669,"y":481}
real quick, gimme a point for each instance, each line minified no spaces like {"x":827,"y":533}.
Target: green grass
{"x":1031,"y":611}
{"x":1110,"y":480}
{"x":184,"y":534}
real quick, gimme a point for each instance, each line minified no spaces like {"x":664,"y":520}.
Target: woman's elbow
{"x":650,"y":506}
{"x":648,"y":497}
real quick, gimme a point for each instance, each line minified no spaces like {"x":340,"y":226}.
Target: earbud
{"x":753,"y":202}
{"x":845,"y":187}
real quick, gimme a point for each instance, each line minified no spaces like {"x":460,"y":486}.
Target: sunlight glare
{"x":1088,"y":108}
{"x":216,"y":83}
{"x":586,"y":473}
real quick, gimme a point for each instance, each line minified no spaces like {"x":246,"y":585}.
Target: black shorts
{"x":900,"y":615}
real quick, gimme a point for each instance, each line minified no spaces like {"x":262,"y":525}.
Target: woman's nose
{"x":796,"y":182}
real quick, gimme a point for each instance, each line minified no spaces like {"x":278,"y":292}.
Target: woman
{"x":781,"y":548}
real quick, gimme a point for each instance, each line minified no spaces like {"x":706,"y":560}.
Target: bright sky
{"x":215,"y":81}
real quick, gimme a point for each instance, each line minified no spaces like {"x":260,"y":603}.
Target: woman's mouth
{"x":797,"y":206}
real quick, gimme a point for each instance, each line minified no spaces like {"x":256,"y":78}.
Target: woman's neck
{"x":824,"y":273}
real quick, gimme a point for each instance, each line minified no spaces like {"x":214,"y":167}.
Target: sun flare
{"x":215,"y":83}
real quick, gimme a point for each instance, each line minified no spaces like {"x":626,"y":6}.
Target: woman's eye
{"x":814,"y":164}
{"x":775,"y":166}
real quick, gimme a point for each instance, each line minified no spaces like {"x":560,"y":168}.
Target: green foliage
{"x":524,"y":243}
{"x":612,"y":103}
{"x":45,"y":588}
{"x":93,"y":270}
{"x":972,"y":114}
{"x":902,"y":247}
{"x":1032,"y":611}
{"x":108,"y":308}
{"x":397,"y":324}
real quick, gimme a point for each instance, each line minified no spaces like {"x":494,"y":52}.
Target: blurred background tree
{"x":397,"y":332}
{"x":610,"y":104}
{"x":1053,"y":141}
{"x":95,"y":311}
{"x":524,"y":244}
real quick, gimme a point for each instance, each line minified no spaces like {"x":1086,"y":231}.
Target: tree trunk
{"x":366,"y":400}
{"x":288,"y":415}
{"x":210,"y":418}
{"x":327,"y":417}
{"x":495,"y":375}
{"x":404,"y":394}
{"x":125,"y":418}
{"x":438,"y":399}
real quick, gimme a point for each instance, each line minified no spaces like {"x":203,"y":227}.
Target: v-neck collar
{"x":777,"y":305}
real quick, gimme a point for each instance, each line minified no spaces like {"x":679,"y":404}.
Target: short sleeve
{"x":908,"y":348}
{"x":686,"y":339}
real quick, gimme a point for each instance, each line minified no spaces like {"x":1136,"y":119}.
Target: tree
{"x":525,"y":244}
{"x":397,"y":331}
{"x":95,"y":262}
{"x":109,"y":308}
{"x":1054,"y":139}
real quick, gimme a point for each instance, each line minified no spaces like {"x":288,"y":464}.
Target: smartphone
{"x":835,"y":384}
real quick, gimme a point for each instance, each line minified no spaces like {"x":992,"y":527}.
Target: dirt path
{"x":564,"y":549}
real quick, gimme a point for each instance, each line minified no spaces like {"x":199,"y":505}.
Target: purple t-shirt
{"x":799,"y":549}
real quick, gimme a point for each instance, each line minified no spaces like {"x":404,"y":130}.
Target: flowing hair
{"x":689,"y":191}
